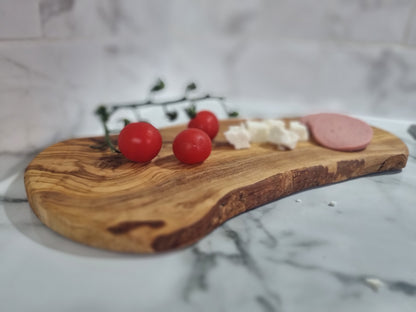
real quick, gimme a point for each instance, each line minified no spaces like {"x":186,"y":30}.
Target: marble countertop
{"x":299,"y":253}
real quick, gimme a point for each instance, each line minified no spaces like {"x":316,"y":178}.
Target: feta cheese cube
{"x":279,"y":135}
{"x":300,"y":129}
{"x":238,"y":136}
{"x":275,"y":123}
{"x":258,"y":130}
{"x":270,"y":130}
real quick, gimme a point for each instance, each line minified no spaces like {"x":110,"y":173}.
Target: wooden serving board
{"x":101,"y":199}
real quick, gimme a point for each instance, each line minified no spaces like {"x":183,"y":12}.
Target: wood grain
{"x":101,"y":199}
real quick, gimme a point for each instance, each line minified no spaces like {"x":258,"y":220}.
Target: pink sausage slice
{"x":339,"y":132}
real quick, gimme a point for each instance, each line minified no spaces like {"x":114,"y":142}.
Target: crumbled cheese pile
{"x":271,"y":131}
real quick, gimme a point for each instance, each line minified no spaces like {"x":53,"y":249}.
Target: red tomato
{"x":207,"y":122}
{"x":192,"y":146}
{"x":139,"y":141}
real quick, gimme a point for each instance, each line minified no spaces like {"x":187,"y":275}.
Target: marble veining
{"x":412,"y":131}
{"x":48,"y":8}
{"x":403,"y":287}
{"x":295,"y":254}
{"x":6,"y":199}
{"x":206,"y":261}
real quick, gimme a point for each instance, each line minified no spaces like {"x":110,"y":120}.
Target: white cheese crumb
{"x":270,"y":130}
{"x":258,"y":131}
{"x":300,"y":129}
{"x":275,"y":122}
{"x":332,"y":203}
{"x":298,"y":200}
{"x":238,"y":136}
{"x":279,"y":135}
{"x":374,"y":283}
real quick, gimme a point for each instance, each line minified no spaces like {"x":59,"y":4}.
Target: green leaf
{"x":103,"y":113}
{"x":233,"y":114}
{"x":190,"y":87}
{"x":159,"y":85}
{"x":126,"y":121}
{"x":191,"y":111}
{"x":172,"y":115}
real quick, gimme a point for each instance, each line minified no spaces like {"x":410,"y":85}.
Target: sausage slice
{"x":339,"y":132}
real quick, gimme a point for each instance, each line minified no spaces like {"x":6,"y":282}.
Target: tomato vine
{"x":105,"y":111}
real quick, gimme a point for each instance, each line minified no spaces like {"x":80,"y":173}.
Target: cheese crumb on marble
{"x":374,"y":283}
{"x":300,"y":129}
{"x":238,"y":136}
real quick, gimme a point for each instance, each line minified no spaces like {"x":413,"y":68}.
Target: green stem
{"x":115,"y":107}
{"x":107,"y":137}
{"x":106,"y":111}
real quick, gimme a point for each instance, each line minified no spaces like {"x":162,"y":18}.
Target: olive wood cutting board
{"x":101,"y":199}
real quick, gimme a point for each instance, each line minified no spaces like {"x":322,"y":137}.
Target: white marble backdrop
{"x":60,"y":58}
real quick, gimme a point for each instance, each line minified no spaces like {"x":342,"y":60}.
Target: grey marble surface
{"x":60,"y":58}
{"x":343,"y":247}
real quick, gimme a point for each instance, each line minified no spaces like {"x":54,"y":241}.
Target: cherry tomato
{"x":207,"y":122}
{"x":139,"y":141}
{"x":192,"y":146}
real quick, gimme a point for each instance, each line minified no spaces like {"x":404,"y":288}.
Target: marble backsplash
{"x":60,"y":58}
